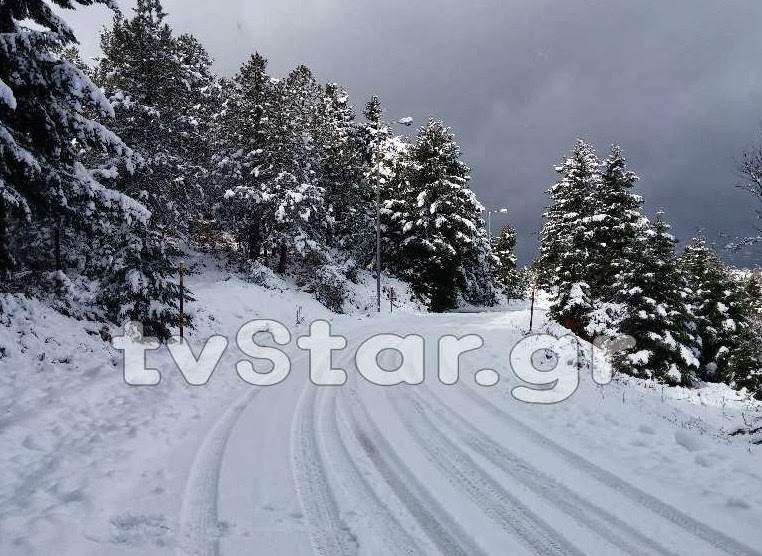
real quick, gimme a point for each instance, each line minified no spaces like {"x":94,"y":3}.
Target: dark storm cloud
{"x":678,"y":84}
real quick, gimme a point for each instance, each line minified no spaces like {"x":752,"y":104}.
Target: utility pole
{"x":378,"y":218}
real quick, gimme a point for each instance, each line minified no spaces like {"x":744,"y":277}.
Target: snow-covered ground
{"x":91,"y":465}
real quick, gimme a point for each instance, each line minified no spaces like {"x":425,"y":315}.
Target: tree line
{"x":615,"y":272}
{"x":108,"y":171}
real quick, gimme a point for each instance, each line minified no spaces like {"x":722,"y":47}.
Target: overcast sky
{"x":677,"y":84}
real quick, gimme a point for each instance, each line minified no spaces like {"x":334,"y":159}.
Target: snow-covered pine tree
{"x":46,"y":128}
{"x":566,"y":239}
{"x":444,"y":250}
{"x":267,"y":164}
{"x":746,"y":362}
{"x":752,"y":285}
{"x":477,"y":271}
{"x":386,"y":173}
{"x":617,"y":224}
{"x":341,"y":173}
{"x":650,"y":288}
{"x":723,"y":317}
{"x":243,"y":158}
{"x":744,"y":365}
{"x":200,"y":95}
{"x":156,"y":83}
{"x":508,"y":276}
{"x":300,"y":221}
{"x":139,"y":282}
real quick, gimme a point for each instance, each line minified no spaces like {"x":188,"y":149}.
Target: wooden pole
{"x":531,"y":311}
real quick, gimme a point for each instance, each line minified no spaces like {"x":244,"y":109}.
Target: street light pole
{"x":489,"y":220}
{"x":378,"y":219}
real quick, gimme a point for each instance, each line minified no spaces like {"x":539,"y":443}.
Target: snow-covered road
{"x":424,"y":469}
{"x":92,"y":466}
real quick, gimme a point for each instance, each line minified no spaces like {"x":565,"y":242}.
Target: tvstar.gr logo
{"x":547,"y":367}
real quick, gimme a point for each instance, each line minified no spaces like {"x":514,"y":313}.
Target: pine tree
{"x":159,"y":86}
{"x":744,"y":365}
{"x":566,"y":240}
{"x":387,"y":173}
{"x":49,"y":132}
{"x":651,"y":290}
{"x":138,"y":283}
{"x":243,"y":153}
{"x":342,"y":168}
{"x":723,"y":316}
{"x":157,"y":83}
{"x":73,"y":55}
{"x":200,"y":94}
{"x":752,"y":285}
{"x":617,"y":225}
{"x":444,"y":251}
{"x":268,"y":165}
{"x":299,"y":230}
{"x":508,"y":276}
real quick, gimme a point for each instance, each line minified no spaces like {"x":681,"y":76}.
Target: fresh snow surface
{"x":93,"y":466}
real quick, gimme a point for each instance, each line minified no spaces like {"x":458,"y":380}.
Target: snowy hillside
{"x":93,"y":466}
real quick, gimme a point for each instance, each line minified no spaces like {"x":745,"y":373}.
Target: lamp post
{"x":490,"y":212}
{"x":406,"y":122}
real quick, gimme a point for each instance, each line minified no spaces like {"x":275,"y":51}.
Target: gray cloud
{"x":676,"y":84}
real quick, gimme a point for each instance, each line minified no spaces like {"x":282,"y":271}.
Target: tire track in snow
{"x":603,"y":523}
{"x":443,"y":531}
{"x":709,"y":535}
{"x":330,"y":535}
{"x":357,"y":483}
{"x":497,"y":503}
{"x":199,"y":529}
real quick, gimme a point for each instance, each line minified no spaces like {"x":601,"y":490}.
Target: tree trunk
{"x":57,"y":246}
{"x":5,"y":263}
{"x":6,"y":18}
{"x":255,"y":242}
{"x":283,"y":258}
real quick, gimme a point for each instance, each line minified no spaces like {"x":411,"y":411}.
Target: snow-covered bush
{"x":261,"y":275}
{"x":328,"y":285}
